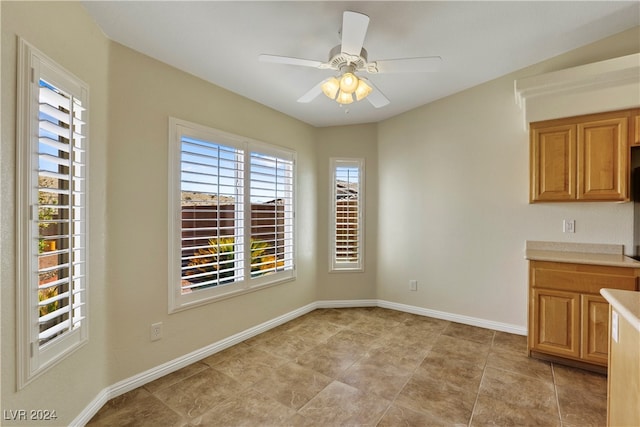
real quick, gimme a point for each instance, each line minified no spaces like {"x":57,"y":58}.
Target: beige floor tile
{"x":523,"y":391}
{"x":503,"y":341}
{"x":429,"y":324}
{"x":372,"y":375}
{"x":364,"y":366}
{"x":580,"y":379}
{"x":315,"y":330}
{"x":340,"y":317}
{"x":292,"y":385}
{"x":439,"y":400}
{"x":414,"y":335}
{"x":353,"y":341}
{"x":458,"y":348}
{"x":175,"y":377}
{"x":228,"y":353}
{"x":397,"y":354}
{"x":287,"y":345}
{"x":247,"y":408}
{"x":581,"y":407}
{"x":470,"y":333}
{"x":331,"y":359}
{"x":520,"y":363}
{"x":450,"y":370}
{"x":398,"y":416}
{"x":136,"y":408}
{"x":342,"y":404}
{"x":372,"y":325}
{"x":506,"y":411}
{"x":249,"y":367}
{"x":199,"y":393}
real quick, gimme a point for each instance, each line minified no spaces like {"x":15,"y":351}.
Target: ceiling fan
{"x":351,"y":57}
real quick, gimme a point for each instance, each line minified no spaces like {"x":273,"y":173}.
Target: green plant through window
{"x":218,"y":258}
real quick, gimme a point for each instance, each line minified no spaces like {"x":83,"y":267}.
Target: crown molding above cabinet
{"x":608,"y":85}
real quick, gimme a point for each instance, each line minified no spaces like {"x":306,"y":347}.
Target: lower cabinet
{"x":568,"y":318}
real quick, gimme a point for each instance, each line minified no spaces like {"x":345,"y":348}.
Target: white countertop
{"x":626,"y":303}
{"x":579,"y":253}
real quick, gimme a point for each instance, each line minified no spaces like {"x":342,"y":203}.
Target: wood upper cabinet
{"x":553,"y":163}
{"x":635,"y":128}
{"x":581,"y":158}
{"x":567,"y":316}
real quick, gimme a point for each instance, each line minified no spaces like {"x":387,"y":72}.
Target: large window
{"x":346,"y":221}
{"x":51,"y":211}
{"x":231,"y":214}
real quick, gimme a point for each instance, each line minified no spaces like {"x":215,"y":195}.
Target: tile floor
{"x":367,"y":367}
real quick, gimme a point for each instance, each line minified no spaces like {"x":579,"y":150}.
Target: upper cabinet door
{"x":603,"y":159}
{"x":582,"y":158}
{"x":635,"y":129}
{"x":553,"y":163}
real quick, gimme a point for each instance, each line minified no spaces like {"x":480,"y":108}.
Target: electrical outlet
{"x":156,"y":331}
{"x":413,"y":285}
{"x":569,"y":226}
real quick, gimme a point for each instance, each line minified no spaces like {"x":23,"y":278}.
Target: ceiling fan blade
{"x":409,"y":65}
{"x":376,"y":98}
{"x":313,"y":92}
{"x":290,"y":61}
{"x":354,"y":30}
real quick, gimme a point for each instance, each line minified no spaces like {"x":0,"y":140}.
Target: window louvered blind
{"x":212,"y":201}
{"x":60,"y":213}
{"x":271,"y":195}
{"x":347,"y":221}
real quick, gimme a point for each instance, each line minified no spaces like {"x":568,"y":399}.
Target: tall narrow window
{"x":52,"y":212}
{"x":347,"y":219}
{"x":231,"y":223}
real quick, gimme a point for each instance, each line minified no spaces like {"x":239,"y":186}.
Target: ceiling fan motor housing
{"x":339,"y":59}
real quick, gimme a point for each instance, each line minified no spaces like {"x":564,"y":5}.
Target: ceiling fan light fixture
{"x":344,"y":98}
{"x":330,"y":87}
{"x":363,"y":90}
{"x":348,"y":83}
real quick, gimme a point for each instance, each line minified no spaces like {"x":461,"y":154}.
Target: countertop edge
{"x":621,"y":301}
{"x":582,"y":258}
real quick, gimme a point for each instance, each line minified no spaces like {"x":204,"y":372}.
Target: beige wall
{"x":457,"y":170}
{"x":358,"y":142}
{"x":144,"y":93}
{"x":74,"y":382}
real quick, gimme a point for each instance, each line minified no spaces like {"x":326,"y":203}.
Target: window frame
{"x":176,"y":299}
{"x":336,"y":266}
{"x":34,"y":358}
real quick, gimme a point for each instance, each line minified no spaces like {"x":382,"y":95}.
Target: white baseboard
{"x":147,"y":376}
{"x":457,"y":318}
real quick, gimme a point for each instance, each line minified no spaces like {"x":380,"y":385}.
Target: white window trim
{"x":345,"y":267}
{"x":177,"y":300}
{"x":33,"y":359}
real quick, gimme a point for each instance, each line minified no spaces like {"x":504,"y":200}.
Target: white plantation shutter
{"x":347,"y":220}
{"x":53,"y":239}
{"x":61,"y":220}
{"x":212,"y":205}
{"x":232,"y":217}
{"x":271,"y":195}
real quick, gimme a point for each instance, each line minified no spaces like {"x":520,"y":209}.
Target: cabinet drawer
{"x":581,"y":279}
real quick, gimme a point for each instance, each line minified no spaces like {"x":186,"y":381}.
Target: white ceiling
{"x":478,"y":41}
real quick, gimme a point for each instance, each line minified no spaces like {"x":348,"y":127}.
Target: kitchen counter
{"x":579,"y":253}
{"x":626,"y":303}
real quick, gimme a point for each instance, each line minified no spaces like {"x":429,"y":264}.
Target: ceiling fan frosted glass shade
{"x":348,"y":83}
{"x":363,"y":90}
{"x":344,"y":98}
{"x":330,"y":87}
